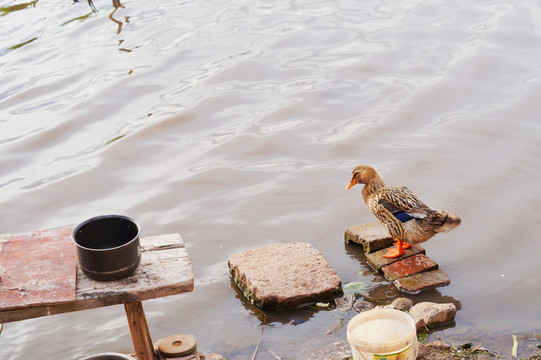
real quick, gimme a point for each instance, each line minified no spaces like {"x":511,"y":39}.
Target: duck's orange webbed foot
{"x":395,"y":252}
{"x":404,"y":245}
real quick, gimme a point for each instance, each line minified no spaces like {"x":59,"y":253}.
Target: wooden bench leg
{"x":142,"y":342}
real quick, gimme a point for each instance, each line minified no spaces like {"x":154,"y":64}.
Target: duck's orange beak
{"x":351,"y":183}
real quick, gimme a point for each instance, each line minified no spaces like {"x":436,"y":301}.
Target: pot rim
{"x":99,"y":217}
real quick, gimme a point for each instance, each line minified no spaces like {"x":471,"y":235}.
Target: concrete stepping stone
{"x":411,"y":273}
{"x":373,"y":236}
{"x":284,"y":276}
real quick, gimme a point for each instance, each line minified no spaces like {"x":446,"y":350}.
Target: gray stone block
{"x":372,"y":236}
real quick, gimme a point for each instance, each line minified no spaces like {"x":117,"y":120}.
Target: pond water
{"x":237,"y":124}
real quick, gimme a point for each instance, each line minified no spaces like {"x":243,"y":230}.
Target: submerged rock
{"x":361,"y":306}
{"x":401,"y":303}
{"x":285,"y":276}
{"x":344,"y":303}
{"x":428,"y":314}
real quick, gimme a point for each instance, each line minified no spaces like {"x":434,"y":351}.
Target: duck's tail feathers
{"x":445,"y":221}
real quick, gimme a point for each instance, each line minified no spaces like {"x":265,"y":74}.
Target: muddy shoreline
{"x":441,"y":350}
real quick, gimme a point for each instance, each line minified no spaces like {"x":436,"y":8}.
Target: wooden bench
{"x":165,"y":269}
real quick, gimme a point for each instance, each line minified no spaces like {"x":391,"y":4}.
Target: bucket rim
{"x":99,"y":217}
{"x":117,"y":355}
{"x":400,"y":343}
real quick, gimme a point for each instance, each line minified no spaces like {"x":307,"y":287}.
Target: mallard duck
{"x":407,"y":218}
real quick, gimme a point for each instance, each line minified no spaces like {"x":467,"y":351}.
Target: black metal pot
{"x":107,"y":247}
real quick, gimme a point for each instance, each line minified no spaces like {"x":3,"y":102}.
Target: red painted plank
{"x":37,"y":269}
{"x":409,"y":266}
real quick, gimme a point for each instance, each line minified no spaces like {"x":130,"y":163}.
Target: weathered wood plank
{"x":142,"y":341}
{"x":165,"y":269}
{"x":37,"y":269}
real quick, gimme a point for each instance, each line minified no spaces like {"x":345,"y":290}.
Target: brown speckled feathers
{"x":405,"y":216}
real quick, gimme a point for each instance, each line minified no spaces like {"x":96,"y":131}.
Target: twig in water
{"x":260,"y":335}
{"x":91,"y":4}
{"x":515,"y":346}
{"x":274,"y":354}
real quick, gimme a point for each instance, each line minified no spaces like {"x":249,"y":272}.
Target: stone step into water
{"x":411,"y":273}
{"x":372,"y":236}
{"x":284,"y":276}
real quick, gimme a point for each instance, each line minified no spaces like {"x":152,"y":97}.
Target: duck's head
{"x":362,"y":174}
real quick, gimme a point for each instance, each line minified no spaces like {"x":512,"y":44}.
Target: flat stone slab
{"x":377,"y":261}
{"x":409,"y":266}
{"x":284,"y":276}
{"x":373,"y":236}
{"x":422,"y":281}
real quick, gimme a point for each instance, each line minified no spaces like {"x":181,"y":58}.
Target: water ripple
{"x":238,"y":124}
{"x":348,"y":129}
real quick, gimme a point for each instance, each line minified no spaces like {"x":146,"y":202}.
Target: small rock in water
{"x":345,"y":302}
{"x":401,"y":303}
{"x":428,"y":314}
{"x":361,"y":306}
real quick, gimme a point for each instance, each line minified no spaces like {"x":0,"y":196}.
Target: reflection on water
{"x":16,"y":7}
{"x":237,"y":124}
{"x":117,"y":5}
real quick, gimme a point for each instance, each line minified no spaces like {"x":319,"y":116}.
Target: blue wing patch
{"x":402,"y":216}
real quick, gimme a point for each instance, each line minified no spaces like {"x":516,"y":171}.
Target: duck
{"x":408,"y":220}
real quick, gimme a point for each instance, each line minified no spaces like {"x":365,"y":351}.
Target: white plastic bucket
{"x":382,"y":334}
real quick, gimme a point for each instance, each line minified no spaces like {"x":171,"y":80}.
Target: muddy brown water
{"x":237,"y":124}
